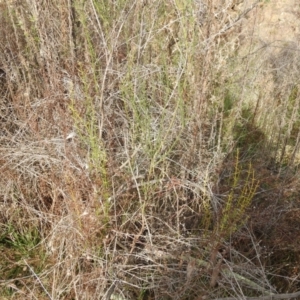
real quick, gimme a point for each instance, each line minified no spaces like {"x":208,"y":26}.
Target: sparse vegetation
{"x":149,"y":150}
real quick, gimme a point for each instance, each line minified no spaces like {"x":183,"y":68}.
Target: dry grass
{"x":142,"y":144}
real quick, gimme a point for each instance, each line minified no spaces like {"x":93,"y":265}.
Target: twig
{"x":270,"y":297}
{"x":38,"y":279}
{"x":225,"y":272}
{"x":110,"y":291}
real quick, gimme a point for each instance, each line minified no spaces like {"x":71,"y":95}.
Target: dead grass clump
{"x":133,"y":149}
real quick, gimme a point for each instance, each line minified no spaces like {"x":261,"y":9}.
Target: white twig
{"x":270,"y":297}
{"x":38,"y":279}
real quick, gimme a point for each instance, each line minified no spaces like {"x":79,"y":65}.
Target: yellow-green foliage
{"x":238,"y":200}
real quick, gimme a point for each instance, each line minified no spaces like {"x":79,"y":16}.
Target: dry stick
{"x":38,"y":279}
{"x":225,"y":29}
{"x":111,"y":289}
{"x":271,"y":297}
{"x":225,"y":272}
{"x":215,"y":273}
{"x":230,"y":274}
